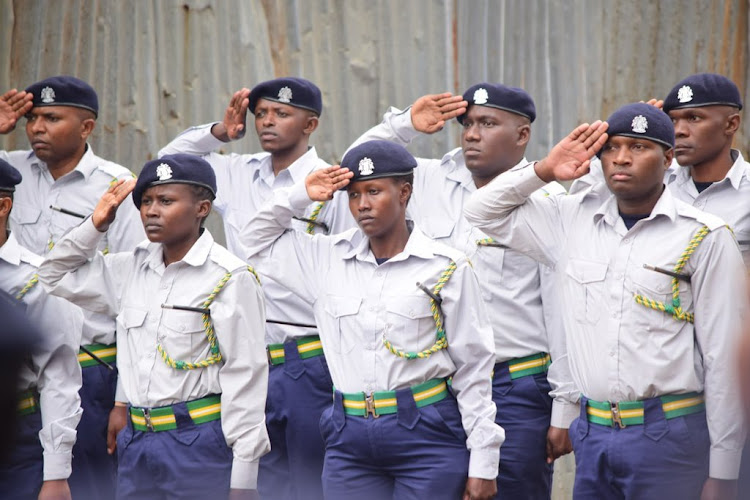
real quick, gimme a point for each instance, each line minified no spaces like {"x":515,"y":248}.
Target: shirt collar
{"x":196,"y":256}
{"x":665,"y":205}
{"x":682,"y":175}
{"x":10,"y":252}
{"x":460,"y":173}
{"x":299,"y":169}
{"x":86,"y":165}
{"x":418,"y":245}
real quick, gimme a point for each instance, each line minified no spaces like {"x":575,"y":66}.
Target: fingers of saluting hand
{"x":121,"y":189}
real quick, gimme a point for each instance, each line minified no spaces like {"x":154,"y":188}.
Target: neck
{"x":640,"y":206}
{"x":715,"y":169}
{"x":59,"y":168}
{"x":4,"y":233}
{"x":391,"y":244}
{"x":480,"y":182}
{"x":281,"y":160}
{"x":176,"y":251}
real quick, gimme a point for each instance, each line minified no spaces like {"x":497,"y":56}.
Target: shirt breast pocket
{"x":410,"y":324}
{"x":183,"y":335}
{"x":130,"y":321}
{"x":346,"y":331}
{"x":657,"y":287}
{"x":24,"y":214}
{"x":585,"y":289}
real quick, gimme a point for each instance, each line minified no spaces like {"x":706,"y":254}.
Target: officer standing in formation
{"x":62,"y":182}
{"x":48,"y":407}
{"x":651,"y":317}
{"x":519,"y":292}
{"x":190,"y":320}
{"x":286,"y":112}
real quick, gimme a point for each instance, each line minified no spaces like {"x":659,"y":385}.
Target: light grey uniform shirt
{"x":132,"y":286}
{"x":620,"y":350}
{"x":357,"y":303}
{"x":244,"y":183}
{"x":53,"y":370}
{"x":521,"y":296}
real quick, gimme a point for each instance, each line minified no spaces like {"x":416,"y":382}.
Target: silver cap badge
{"x":47,"y":95}
{"x":640,"y":124}
{"x":481,"y":96}
{"x":285,"y":94}
{"x":366,"y":166}
{"x":685,"y":94}
{"x":163,"y":172}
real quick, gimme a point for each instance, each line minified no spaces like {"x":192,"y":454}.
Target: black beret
{"x":376,"y":159}
{"x":174,"y":169}
{"x":497,"y":95}
{"x":703,"y":89}
{"x":9,"y":176}
{"x":642,"y":120}
{"x":64,"y":91}
{"x":296,"y":92}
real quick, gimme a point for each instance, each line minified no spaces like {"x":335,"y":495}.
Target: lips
{"x":620,"y":176}
{"x":267,"y":136}
{"x":39,"y":144}
{"x":152,"y":227}
{"x":365,"y":219}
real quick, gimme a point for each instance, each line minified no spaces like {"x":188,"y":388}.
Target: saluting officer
{"x":532,"y":387}
{"x":286,"y":112}
{"x":190,"y":320}
{"x":652,"y":294}
{"x":48,"y":406}
{"x":399,"y":314}
{"x":62,"y":182}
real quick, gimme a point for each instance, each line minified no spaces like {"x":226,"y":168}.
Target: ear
{"x":204,"y":208}
{"x":405,"y":192}
{"x":87,"y":126}
{"x":524,"y":134}
{"x":668,"y":156}
{"x":732,"y":124}
{"x":311,"y":125}
{"x":5,"y":205}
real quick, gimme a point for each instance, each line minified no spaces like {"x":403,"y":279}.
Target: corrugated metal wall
{"x":162,"y":66}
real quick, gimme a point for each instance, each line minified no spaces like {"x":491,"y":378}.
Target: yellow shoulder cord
{"x":27,"y":287}
{"x":213,"y":344}
{"x":314,"y":217}
{"x":437,"y":314}
{"x":675,"y":309}
{"x":252,"y":271}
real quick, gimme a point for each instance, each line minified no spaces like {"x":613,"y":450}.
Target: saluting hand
{"x":106,"y":209}
{"x":13,"y":105}
{"x":429,"y":113}
{"x":233,"y":126}
{"x":657,"y":103}
{"x":322,"y":184}
{"x":570,"y":158}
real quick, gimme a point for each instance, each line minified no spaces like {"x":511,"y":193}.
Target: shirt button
{"x":618,"y":276}
{"x":611,"y":354}
{"x":626,"y":240}
{"x":378,"y":274}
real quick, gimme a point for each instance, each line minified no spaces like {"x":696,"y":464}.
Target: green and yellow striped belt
{"x":107,"y":353}
{"x":384,"y":402}
{"x":627,"y":413}
{"x":308,"y":347}
{"x":27,"y":403}
{"x":529,"y":365}
{"x":162,"y":419}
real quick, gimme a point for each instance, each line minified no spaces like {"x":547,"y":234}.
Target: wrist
{"x":219,"y":131}
{"x":544,"y":171}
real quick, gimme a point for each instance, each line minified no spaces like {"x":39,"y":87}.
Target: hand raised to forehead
{"x":233,"y":126}
{"x":430,"y":112}
{"x":106,"y":209}
{"x":322,"y":184}
{"x":657,"y":103}
{"x":570,"y":158}
{"x":13,"y":105}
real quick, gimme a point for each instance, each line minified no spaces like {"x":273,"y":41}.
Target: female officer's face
{"x":379,"y":205}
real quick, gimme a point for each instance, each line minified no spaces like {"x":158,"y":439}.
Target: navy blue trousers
{"x":664,"y":459}
{"x":417,"y":453}
{"x":22,"y":474}
{"x":524,"y":407}
{"x":299,"y":390}
{"x":94,"y":471}
{"x":190,"y":462}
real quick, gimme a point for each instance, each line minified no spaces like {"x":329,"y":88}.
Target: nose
{"x":622,"y":157}
{"x":36,"y":125}
{"x":471,"y":133}
{"x":364,"y":203}
{"x":680,"y":128}
{"x":268,"y":120}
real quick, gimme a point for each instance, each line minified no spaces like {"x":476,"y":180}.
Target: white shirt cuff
{"x":298,"y":197}
{"x":724,"y":464}
{"x":244,"y":475}
{"x":57,"y":466}
{"x":528,"y":182}
{"x":89,"y":234}
{"x":402,"y":125}
{"x":484,"y":463}
{"x":563,"y":413}
{"x":207,"y":142}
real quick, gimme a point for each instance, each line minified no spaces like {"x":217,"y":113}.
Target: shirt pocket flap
{"x":182,"y":321}
{"x":410,"y":307}
{"x":584,"y":271}
{"x":338,"y":306}
{"x":24,"y":214}
{"x":437,"y":227}
{"x":131,"y":317}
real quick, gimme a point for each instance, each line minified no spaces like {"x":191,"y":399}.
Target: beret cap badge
{"x":47,"y":95}
{"x":640,"y":124}
{"x":163,"y":172}
{"x":366,"y":167}
{"x":685,"y":94}
{"x":285,"y":94}
{"x":481,"y":96}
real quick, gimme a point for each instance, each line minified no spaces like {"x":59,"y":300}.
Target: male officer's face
{"x":171,"y":214}
{"x":282,"y":127}
{"x":701,"y":134}
{"x":378,"y":205}
{"x":634,"y":167}
{"x":493,"y":140}
{"x":58,"y":133}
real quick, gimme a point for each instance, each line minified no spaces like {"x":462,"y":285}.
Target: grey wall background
{"x":161,"y":66}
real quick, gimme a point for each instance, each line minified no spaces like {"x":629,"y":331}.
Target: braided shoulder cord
{"x":213,"y":344}
{"x":485,"y":242}
{"x":27,"y":287}
{"x":254,"y":273}
{"x":314,"y":217}
{"x":441,"y":342}
{"x":675,"y":308}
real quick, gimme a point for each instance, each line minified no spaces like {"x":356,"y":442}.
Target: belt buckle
{"x":147,"y":418}
{"x":370,"y":407}
{"x":616,"y":417}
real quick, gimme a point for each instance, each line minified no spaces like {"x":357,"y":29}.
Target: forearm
{"x":395,"y":127}
{"x":196,"y":141}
